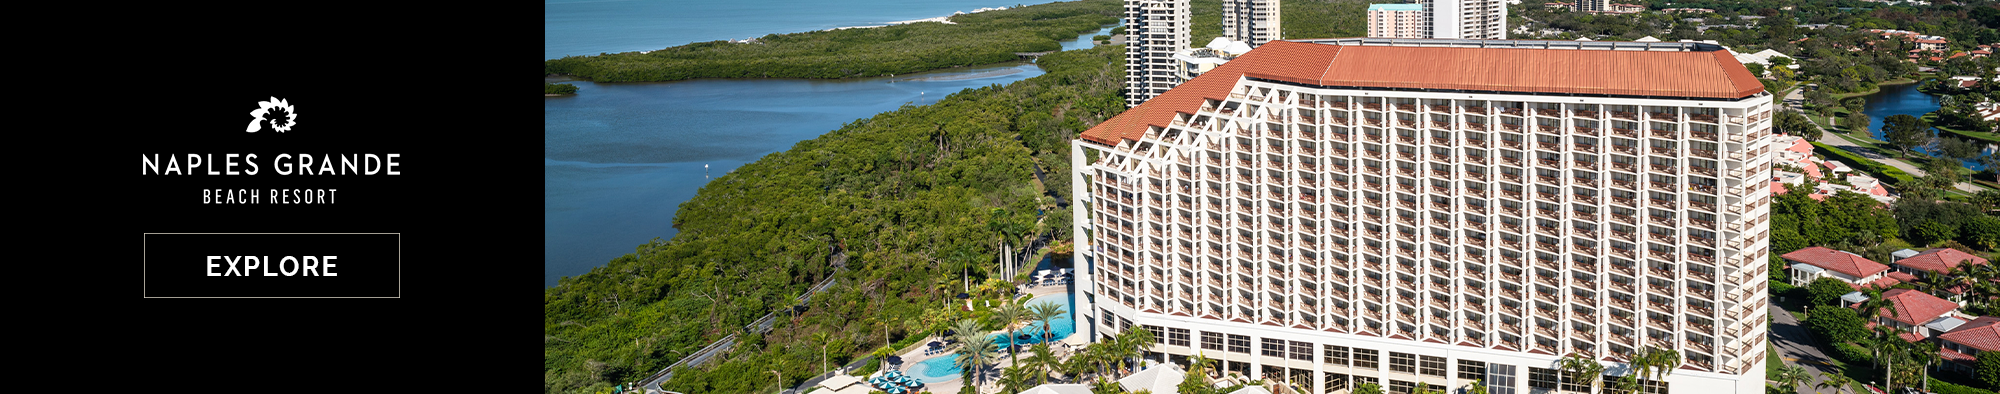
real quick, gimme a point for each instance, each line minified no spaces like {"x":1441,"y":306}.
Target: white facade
{"x":1252,"y":21}
{"x":1482,"y":235}
{"x":1154,"y":30}
{"x":1468,"y":19}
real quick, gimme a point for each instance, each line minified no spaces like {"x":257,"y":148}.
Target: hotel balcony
{"x":1666,"y":116}
{"x":1624,"y":115}
{"x":1624,"y":132}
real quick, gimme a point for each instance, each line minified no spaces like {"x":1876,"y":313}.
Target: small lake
{"x":620,"y":158}
{"x":1905,"y":99}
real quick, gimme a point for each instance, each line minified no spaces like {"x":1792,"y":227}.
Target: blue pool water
{"x":945,"y":368}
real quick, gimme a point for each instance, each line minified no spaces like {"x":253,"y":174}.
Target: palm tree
{"x":1925,"y":353}
{"x":1044,"y":360}
{"x":1368,"y":388}
{"x":1836,"y":381}
{"x":1133,"y":343}
{"x":1888,"y":345}
{"x":967,"y":331}
{"x":1869,"y":309}
{"x":1583,"y":368}
{"x":1478,"y":387}
{"x":822,"y":338}
{"x":1007,"y":314}
{"x":882,"y":355}
{"x":1664,"y":362}
{"x":975,"y":356}
{"x":1014,"y":379}
{"x":1790,"y":376}
{"x":1047,"y":313}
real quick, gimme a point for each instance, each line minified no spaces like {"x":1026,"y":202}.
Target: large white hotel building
{"x":1401,"y":211}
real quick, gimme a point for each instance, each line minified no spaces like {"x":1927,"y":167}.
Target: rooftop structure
{"x":1324,"y":213}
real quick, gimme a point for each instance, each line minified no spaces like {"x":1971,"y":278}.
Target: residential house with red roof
{"x":1936,"y":262}
{"x":1922,"y":315}
{"x":1963,"y":344}
{"x":1816,"y":262}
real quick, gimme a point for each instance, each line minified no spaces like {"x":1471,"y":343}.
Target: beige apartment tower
{"x":1252,"y":21}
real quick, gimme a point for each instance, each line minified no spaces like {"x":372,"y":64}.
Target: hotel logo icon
{"x":264,"y":108}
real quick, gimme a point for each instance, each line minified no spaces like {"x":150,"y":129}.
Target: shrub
{"x":1850,"y":353}
{"x":1942,"y":387}
{"x":1837,"y":324}
{"x":1826,"y":291}
{"x":1987,"y":369}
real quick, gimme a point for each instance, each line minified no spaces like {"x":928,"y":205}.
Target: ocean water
{"x":589,"y":27}
{"x":620,"y":158}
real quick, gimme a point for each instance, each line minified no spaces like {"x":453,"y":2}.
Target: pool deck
{"x":917,"y":356}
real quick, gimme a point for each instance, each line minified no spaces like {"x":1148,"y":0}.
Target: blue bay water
{"x":619,"y":158}
{"x":590,"y":27}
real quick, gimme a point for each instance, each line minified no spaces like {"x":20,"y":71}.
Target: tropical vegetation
{"x":972,"y":39}
{"x":558,"y":88}
{"x":892,"y":207}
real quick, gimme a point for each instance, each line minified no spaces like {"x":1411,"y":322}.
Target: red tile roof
{"x":1939,"y":260}
{"x":1982,"y":333}
{"x":1709,"y":74}
{"x":1899,"y":276}
{"x":1915,"y":307}
{"x":1838,"y":261}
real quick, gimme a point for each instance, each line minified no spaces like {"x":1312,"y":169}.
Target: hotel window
{"x":1239,"y":344}
{"x":1471,"y":370}
{"x":1177,"y":337}
{"x":1403,"y":362}
{"x":1211,"y":340}
{"x":1572,"y":384}
{"x":1502,"y":376}
{"x":1401,"y":387}
{"x":1432,"y":366}
{"x":1367,"y":358}
{"x":1302,"y":350}
{"x":1542,"y":378}
{"x":1336,"y":355}
{"x":1274,"y":347}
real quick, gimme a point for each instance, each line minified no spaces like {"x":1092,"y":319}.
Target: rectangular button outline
{"x":143,"y":265}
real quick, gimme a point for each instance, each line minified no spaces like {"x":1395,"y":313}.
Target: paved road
{"x":1797,"y":346}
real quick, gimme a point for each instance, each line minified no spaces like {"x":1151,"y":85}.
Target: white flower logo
{"x":264,"y":107}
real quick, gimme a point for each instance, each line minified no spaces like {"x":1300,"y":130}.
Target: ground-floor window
{"x":1401,"y":387}
{"x":1403,"y":362}
{"x":1239,"y":344}
{"x":1543,"y":378}
{"x":1302,"y":350}
{"x":1499,"y":379}
{"x":1367,"y":358}
{"x":1274,"y":347}
{"x":1431,"y":366}
{"x":1336,"y":355}
{"x":1471,"y":370}
{"x":1337,"y":382}
{"x":1211,"y":340}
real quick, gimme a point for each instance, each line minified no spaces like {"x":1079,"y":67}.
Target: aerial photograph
{"x":1271,"y":197}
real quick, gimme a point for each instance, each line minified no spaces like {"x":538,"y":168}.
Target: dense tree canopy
{"x":979,"y":38}
{"x":908,"y":196}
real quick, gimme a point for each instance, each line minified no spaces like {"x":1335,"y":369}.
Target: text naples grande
{"x":286,"y":163}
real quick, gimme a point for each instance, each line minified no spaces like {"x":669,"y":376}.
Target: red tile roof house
{"x":1913,"y":311}
{"x":1937,"y":261}
{"x":1963,"y":344}
{"x":1820,"y":262}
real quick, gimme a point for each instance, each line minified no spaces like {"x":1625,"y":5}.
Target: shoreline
{"x":942,"y":19}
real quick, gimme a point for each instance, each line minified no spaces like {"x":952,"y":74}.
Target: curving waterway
{"x":620,"y":158}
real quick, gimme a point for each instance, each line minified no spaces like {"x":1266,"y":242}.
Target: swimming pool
{"x":945,"y":368}
{"x":1063,"y":326}
{"x":941,"y":369}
